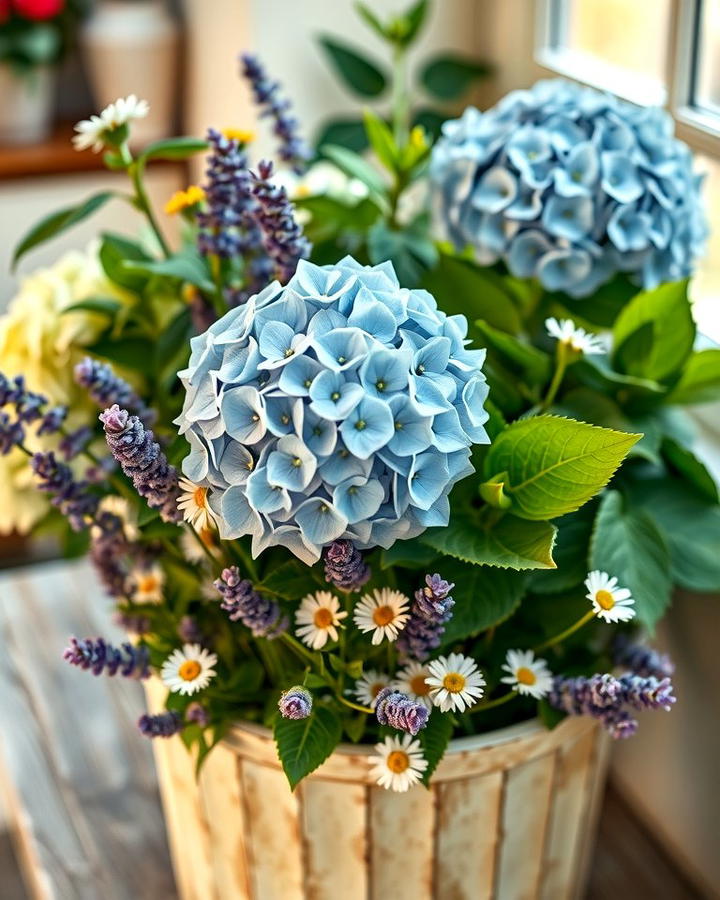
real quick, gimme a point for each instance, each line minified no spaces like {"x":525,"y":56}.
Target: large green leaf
{"x":700,"y":379}
{"x":690,"y":524}
{"x":187,"y":265}
{"x":115,"y":250}
{"x":654,"y":333}
{"x":412,"y":554}
{"x":105,"y":306}
{"x":510,"y":543}
{"x":304,"y":744}
{"x":381,"y":139}
{"x":342,"y":132}
{"x":448,"y":76}
{"x":626,"y":544}
{"x":484,"y":597}
{"x":555,"y":465}
{"x":174,"y":148}
{"x":292,"y":580}
{"x":434,"y":740}
{"x":690,"y":468}
{"x":359,"y":73}
{"x":58,"y":222}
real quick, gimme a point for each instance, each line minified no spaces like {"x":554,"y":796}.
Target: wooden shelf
{"x":55,"y":156}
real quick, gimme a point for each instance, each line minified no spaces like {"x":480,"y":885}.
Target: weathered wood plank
{"x":468,"y":826}
{"x":524,"y":819}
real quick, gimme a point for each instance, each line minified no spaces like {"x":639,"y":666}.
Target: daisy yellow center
{"x":605,"y":599}
{"x":454,"y":682}
{"x":199,"y":496}
{"x":525,"y":675}
{"x":398,"y":761}
{"x":189,"y":670}
{"x":383,"y":615}
{"x":323,"y":617}
{"x":376,"y":688}
{"x":419,"y":686}
{"x":148,"y":583}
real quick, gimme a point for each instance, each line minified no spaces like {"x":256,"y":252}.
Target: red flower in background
{"x":37,"y":10}
{"x":4,"y":11}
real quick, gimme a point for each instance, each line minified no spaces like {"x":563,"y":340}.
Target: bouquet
{"x":390,"y":477}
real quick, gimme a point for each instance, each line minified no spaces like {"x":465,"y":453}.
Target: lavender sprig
{"x":283,"y":237}
{"x":640,"y":659}
{"x":108,"y":549}
{"x":71,"y":497}
{"x":107,"y":388}
{"x":267,"y":94}
{"x":399,"y":711}
{"x":243,"y":603}
{"x":12,"y":433}
{"x":162,"y":725}
{"x":142,"y":460}
{"x":431,"y":610}
{"x":345,"y":567}
{"x":98,"y":657}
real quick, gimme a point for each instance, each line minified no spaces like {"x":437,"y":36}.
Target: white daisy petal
{"x":145,"y":584}
{"x":609,"y":602}
{"x":188,"y":670}
{"x":527,"y":675}
{"x":411,"y":680}
{"x":369,"y":686}
{"x":318,"y":617}
{"x":385,"y":614}
{"x":93,"y":132}
{"x":580,"y":340}
{"x":455,"y":682}
{"x":399,"y":763}
{"x":193,"y":503}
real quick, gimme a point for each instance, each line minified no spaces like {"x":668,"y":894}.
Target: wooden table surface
{"x":78,"y":779}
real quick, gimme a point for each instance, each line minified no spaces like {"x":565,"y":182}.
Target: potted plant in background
{"x":34,"y":34}
{"x":422,"y":512}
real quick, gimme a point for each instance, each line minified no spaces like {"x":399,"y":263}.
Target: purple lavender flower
{"x":142,"y":460}
{"x":108,"y":551}
{"x":243,"y":603}
{"x":12,"y":433}
{"x":73,"y":443}
{"x":107,"y":388}
{"x":266,"y":93}
{"x":295,"y":703}
{"x":431,"y":610}
{"x":71,"y":497}
{"x":97,"y":656}
{"x":197,"y":714}
{"x":163,"y":725}
{"x":640,"y":659}
{"x":133,"y":623}
{"x":189,"y":631}
{"x":646,"y":693}
{"x":399,"y":711}
{"x":345,"y":567}
{"x":283,"y":238}
{"x":52,"y":420}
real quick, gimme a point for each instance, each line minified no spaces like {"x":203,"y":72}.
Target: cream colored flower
{"x":399,"y":763}
{"x":455,"y":682}
{"x":384,"y":613}
{"x":189,"y":670}
{"x":411,"y":680}
{"x":610,"y":602}
{"x":21,"y":503}
{"x":95,"y":131}
{"x":318,"y":618}
{"x":193,"y":502}
{"x":526,"y":674}
{"x":369,"y":685}
{"x":145,"y":584}
{"x":566,"y":332}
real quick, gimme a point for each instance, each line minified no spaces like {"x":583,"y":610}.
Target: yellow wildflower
{"x":241,"y":135}
{"x":181,"y":200}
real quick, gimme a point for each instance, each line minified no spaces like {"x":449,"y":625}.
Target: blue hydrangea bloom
{"x":571,"y":186}
{"x":340,"y":406}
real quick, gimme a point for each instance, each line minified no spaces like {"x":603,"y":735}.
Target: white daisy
{"x":119,"y":506}
{"x":526,"y":674}
{"x":399,"y":763}
{"x":385,"y":614}
{"x":194,"y":505}
{"x":610,"y":602}
{"x":455,"y":682}
{"x":567,"y":333}
{"x":190,"y":546}
{"x":411,"y":680}
{"x":93,"y":132}
{"x":319,"y":618}
{"x":145,"y":584}
{"x":188,"y":670}
{"x":369,"y":685}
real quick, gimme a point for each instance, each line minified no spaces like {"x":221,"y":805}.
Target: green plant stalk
{"x":400,"y":99}
{"x":136,"y":170}
{"x":491,"y":704}
{"x":355,"y":706}
{"x":588,"y":617}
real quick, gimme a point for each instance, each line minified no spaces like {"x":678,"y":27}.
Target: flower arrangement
{"x":363,"y":488}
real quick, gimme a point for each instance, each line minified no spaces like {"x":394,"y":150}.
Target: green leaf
{"x":381,"y":139}
{"x":690,"y":468}
{"x":595,"y":371}
{"x":292,"y":581}
{"x":105,"y":306}
{"x":58,"y":222}
{"x":409,"y":250}
{"x":700,"y":379}
{"x":510,"y":543}
{"x":173,"y":345}
{"x":305,"y":744}
{"x":115,"y":250}
{"x":448,"y":76}
{"x":412,"y":554}
{"x":331,"y":217}
{"x":690,"y":525}
{"x":348,"y":133}
{"x":655,"y":332}
{"x":434,"y":740}
{"x":359,"y":73}
{"x":570,"y":553}
{"x":132,"y":353}
{"x":534,"y":363}
{"x":460,"y":286}
{"x":555,"y":465}
{"x":174,"y":148}
{"x":626,"y":544}
{"x":414,"y":19}
{"x":371,"y":19}
{"x":187,"y":265}
{"x":607,"y":301}
{"x":356,"y":167}
{"x":484,"y":597}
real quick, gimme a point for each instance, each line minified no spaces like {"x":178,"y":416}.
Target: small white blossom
{"x":567,"y":333}
{"x":411,"y":680}
{"x":319,"y":617}
{"x":384,"y":613}
{"x":610,"y":602}
{"x":93,"y":132}
{"x":193,"y":503}
{"x":369,"y":685}
{"x":399,"y":763}
{"x":145,"y":584}
{"x":455,"y":682}
{"x":526,"y":674}
{"x":188,"y":670}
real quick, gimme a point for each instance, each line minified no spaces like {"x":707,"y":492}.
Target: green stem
{"x":567,"y":632}
{"x":136,"y":170}
{"x":491,"y":704}
{"x":556,"y":380}
{"x":357,"y":706}
{"x":400,"y":99}
{"x":299,"y":649}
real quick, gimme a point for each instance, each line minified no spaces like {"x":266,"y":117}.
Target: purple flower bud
{"x":12,"y":433}
{"x":640,"y":659}
{"x":163,"y":725}
{"x":431,"y":610}
{"x":71,"y":497}
{"x":52,"y":421}
{"x":99,"y":657}
{"x":295,"y":703}
{"x":106,"y":388}
{"x":399,"y":711}
{"x":243,"y":603}
{"x":345,"y":567}
{"x":197,"y":714}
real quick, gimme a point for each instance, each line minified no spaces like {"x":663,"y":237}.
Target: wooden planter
{"x":509,"y":815}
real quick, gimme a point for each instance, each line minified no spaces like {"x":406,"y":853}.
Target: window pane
{"x":707,"y":87}
{"x":705,"y":286}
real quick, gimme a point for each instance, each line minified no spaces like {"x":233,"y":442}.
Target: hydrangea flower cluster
{"x":570,"y":185}
{"x":341,"y":406}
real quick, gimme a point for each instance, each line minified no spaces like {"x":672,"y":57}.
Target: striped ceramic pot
{"x":510,"y":815}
